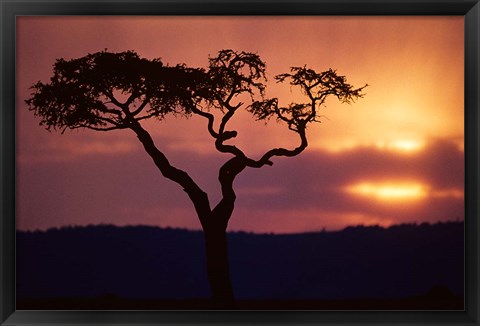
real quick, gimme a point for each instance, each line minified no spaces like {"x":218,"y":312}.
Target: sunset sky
{"x":395,"y":156}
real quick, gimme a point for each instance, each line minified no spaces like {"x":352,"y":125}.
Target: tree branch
{"x":112,"y":111}
{"x":265,"y":159}
{"x":211,"y":120}
{"x":232,"y":149}
{"x":108,"y":120}
{"x":130,"y":99}
{"x":141,"y":107}
{"x":227,"y":174}
{"x":114,"y":100}
{"x":196,"y":194}
{"x":99,"y":128}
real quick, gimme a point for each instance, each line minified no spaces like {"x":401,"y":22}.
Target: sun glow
{"x":404,"y":145}
{"x":401,"y":146}
{"x":390,"y":191}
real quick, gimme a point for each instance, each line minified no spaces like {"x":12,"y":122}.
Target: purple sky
{"x":395,"y":156}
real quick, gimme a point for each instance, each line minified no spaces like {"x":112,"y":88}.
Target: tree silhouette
{"x":106,"y":91}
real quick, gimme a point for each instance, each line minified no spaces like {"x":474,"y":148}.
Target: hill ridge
{"x":349,"y":227}
{"x":154,"y":263}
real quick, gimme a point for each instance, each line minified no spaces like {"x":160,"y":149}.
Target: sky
{"x":395,"y":156}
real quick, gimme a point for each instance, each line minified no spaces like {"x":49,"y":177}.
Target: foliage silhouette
{"x":106,"y":91}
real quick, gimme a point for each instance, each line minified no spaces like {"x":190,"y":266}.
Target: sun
{"x":401,"y":145}
{"x":390,"y":191}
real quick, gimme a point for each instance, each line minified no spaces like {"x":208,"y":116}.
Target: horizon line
{"x":323,"y":230}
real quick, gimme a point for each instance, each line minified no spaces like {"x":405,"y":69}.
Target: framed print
{"x":239,"y":162}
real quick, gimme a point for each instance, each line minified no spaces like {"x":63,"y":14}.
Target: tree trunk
{"x":214,"y":222}
{"x":218,"y":268}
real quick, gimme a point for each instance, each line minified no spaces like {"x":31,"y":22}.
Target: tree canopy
{"x":105,"y":91}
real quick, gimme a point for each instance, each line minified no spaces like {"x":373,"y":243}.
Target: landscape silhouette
{"x":406,"y":266}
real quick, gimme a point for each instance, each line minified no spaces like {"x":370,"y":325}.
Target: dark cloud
{"x":128,"y":189}
{"x":440,"y":165}
{"x":316,"y":179}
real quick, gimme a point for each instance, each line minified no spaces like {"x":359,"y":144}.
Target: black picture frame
{"x":10,"y":9}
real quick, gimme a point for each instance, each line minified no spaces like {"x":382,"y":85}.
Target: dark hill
{"x":141,"y":262}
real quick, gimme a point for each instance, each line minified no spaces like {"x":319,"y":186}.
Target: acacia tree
{"x":106,"y":91}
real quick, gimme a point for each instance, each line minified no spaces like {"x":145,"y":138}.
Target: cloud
{"x":440,"y":165}
{"x":36,"y":145}
{"x":300,"y":193}
{"x":72,"y":149}
{"x":316,"y":180}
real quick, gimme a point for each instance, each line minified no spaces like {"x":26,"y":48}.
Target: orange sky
{"x":394,"y":156}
